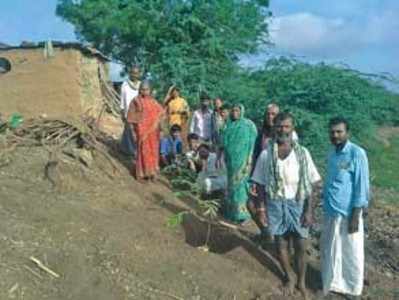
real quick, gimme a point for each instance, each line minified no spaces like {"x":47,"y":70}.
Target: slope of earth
{"x":106,"y":237}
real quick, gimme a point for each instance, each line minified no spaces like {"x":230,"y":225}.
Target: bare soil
{"x":107,"y":238}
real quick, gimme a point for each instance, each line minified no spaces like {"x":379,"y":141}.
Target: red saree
{"x":145,"y":114}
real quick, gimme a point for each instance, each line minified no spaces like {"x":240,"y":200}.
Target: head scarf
{"x":238,"y":142}
{"x":238,"y":139}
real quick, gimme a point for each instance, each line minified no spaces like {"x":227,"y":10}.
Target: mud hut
{"x":52,"y":79}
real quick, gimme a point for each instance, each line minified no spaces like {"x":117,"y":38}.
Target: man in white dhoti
{"x":129,"y":91}
{"x":346,"y":193}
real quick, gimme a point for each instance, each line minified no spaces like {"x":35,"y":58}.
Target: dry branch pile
{"x":69,"y":137}
{"x":111,"y":98}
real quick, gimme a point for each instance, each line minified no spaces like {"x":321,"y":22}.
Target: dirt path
{"x":108,"y":239}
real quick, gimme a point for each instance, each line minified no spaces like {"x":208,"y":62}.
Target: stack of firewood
{"x":63,"y":137}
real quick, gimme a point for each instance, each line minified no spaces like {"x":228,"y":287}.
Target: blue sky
{"x":32,"y":20}
{"x":361,"y":33}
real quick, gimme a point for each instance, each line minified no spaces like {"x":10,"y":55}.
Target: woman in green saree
{"x":238,"y":139}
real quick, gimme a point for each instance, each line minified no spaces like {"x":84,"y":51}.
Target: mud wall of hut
{"x":63,"y":85}
{"x":90,"y":92}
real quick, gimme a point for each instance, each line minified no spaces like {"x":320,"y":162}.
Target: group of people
{"x":265,"y":175}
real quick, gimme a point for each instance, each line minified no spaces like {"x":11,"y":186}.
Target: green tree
{"x":316,"y":92}
{"x":194,"y":44}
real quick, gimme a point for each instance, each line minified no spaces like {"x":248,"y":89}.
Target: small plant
{"x":181,"y":179}
{"x":176,"y":219}
{"x":183,"y":182}
{"x":210,"y":210}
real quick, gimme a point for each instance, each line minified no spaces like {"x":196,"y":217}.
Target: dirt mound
{"x":107,"y":237}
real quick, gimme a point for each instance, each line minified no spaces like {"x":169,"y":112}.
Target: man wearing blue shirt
{"x":171,"y":146}
{"x":345,"y":194}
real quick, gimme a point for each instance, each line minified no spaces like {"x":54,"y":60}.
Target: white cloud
{"x":309,"y":34}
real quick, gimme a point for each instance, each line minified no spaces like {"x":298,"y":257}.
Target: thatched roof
{"x":85,"y":49}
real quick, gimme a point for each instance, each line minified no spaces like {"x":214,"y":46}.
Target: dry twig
{"x":43,"y":267}
{"x":111,"y":98}
{"x":54,"y":135}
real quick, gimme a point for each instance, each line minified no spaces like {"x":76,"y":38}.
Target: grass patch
{"x":384,"y":163}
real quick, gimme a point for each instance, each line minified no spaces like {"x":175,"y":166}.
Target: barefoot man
{"x":346,"y":194}
{"x":287,"y":175}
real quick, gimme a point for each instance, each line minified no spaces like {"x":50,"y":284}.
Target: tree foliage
{"x":316,"y":92}
{"x":191,"y":43}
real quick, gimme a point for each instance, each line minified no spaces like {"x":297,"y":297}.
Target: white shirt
{"x":295,"y":136}
{"x":288,"y":169}
{"x":211,"y":178}
{"x":201,"y":124}
{"x":210,"y":168}
{"x":191,"y":154}
{"x":128,"y":93}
